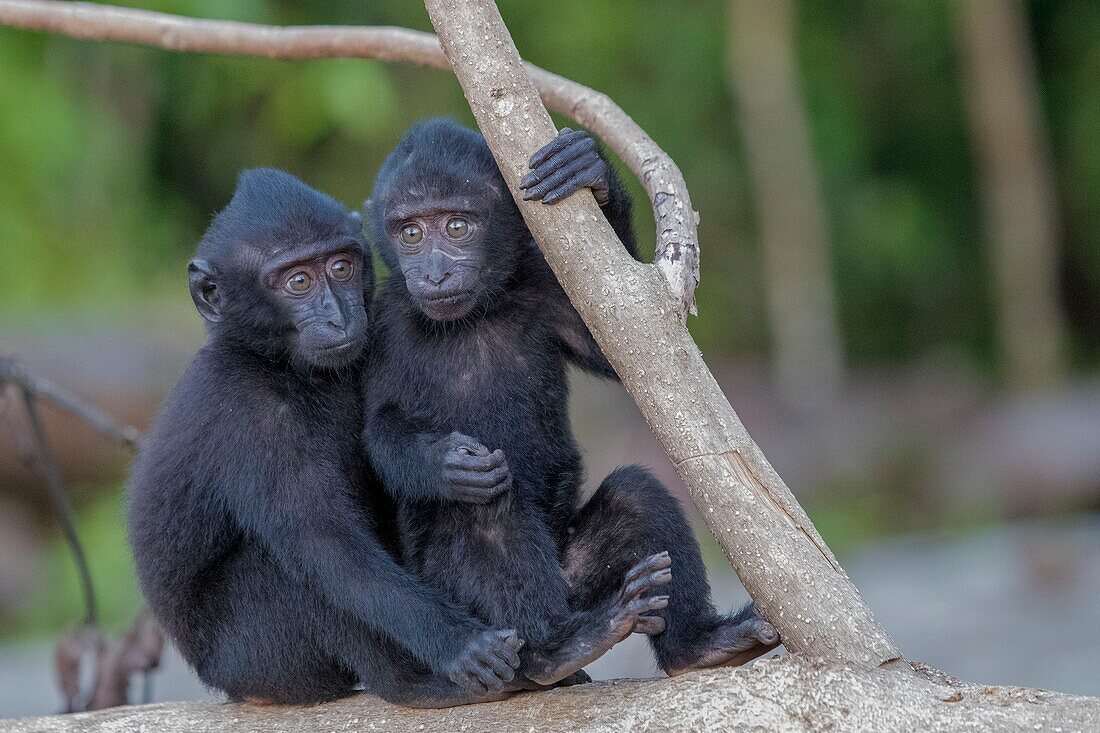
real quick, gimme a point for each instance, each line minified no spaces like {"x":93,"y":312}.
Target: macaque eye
{"x":299,"y":282}
{"x":412,"y":234}
{"x":341,"y":269}
{"x":457,"y":227}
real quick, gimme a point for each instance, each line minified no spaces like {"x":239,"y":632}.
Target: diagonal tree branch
{"x":769,"y":540}
{"x":677,"y":250}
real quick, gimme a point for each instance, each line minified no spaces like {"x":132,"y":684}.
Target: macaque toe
{"x":649,"y":625}
{"x":651,"y":564}
{"x":580,"y":677}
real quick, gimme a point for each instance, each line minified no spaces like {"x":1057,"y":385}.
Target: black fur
{"x":250,"y":514}
{"x":494,"y":368}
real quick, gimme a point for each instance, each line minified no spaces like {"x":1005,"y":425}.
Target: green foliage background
{"x":114,"y":157}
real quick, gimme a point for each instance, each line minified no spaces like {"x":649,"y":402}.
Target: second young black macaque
{"x":467,"y":424}
{"x":250,"y":515}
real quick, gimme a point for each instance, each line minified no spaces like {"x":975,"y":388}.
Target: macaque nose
{"x":437,"y":278}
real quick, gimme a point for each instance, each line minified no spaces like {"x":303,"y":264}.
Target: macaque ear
{"x":204,"y":290}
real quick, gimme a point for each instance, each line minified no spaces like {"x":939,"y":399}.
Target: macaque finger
{"x":464,"y":444}
{"x":586,"y":178}
{"x":466,"y":462}
{"x":475,"y":686}
{"x":501,"y":669}
{"x":565,"y":136}
{"x":486,"y":676}
{"x":572,"y":171}
{"x":654,"y":562}
{"x":507,"y":648}
{"x":469,"y":682}
{"x":582,"y":147}
{"x":476,"y":495}
{"x":645,"y":605}
{"x":498,"y":477}
{"x":512,"y":640}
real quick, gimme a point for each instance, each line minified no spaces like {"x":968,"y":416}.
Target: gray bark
{"x":771,"y":543}
{"x":785,"y":694}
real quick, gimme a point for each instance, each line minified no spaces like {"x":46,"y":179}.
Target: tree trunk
{"x":766,"y":535}
{"x":792,"y":226}
{"x":1017,"y":187}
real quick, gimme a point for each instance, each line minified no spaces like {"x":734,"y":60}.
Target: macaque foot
{"x":620,"y":618}
{"x":434,"y":702}
{"x":734,"y":643}
{"x":580,"y":677}
{"x":568,"y":163}
{"x":629,"y":611}
{"x":487,"y":664}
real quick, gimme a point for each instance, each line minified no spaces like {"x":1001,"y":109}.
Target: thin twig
{"x":140,"y":650}
{"x":11,"y":371}
{"x":60,"y":499}
{"x":31,"y":389}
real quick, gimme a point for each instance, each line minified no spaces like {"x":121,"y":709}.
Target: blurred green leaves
{"x":113,"y":158}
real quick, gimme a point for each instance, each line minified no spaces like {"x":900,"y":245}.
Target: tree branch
{"x":786,"y":694}
{"x":31,"y":389}
{"x":769,"y":540}
{"x":767,"y":536}
{"x":677,"y":250}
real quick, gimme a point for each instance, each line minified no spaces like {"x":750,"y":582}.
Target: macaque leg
{"x":594,"y":632}
{"x":629,"y":517}
{"x":501,"y":560}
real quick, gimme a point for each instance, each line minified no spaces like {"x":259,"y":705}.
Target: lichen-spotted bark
{"x":766,"y":535}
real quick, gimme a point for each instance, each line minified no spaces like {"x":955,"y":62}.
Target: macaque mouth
{"x":447,"y":298}
{"x":339,"y":345}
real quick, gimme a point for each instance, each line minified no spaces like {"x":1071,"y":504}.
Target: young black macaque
{"x":467,"y":421}
{"x":249,"y":517}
